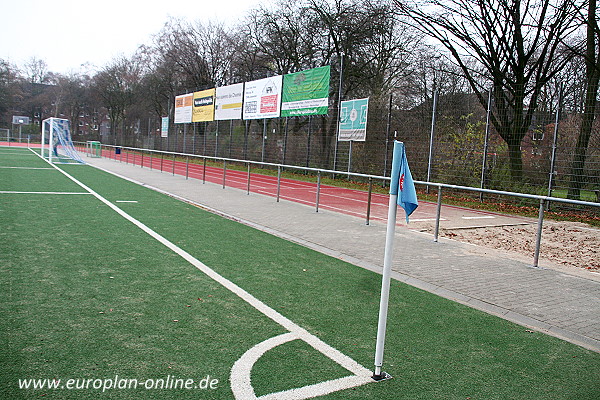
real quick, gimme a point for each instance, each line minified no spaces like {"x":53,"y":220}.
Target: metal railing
{"x":544,"y":201}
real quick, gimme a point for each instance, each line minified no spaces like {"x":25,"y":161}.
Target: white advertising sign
{"x":262,"y":98}
{"x":228,"y":102}
{"x":183,"y":108}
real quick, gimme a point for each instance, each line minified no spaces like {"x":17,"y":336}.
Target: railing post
{"x":538,"y":237}
{"x":224,"y":172}
{"x":142,"y":160}
{"x":248,"y":188}
{"x":369,"y":200}
{"x":204,"y":170}
{"x":187,"y":166}
{"x":318,"y":190}
{"x":150,"y":160}
{"x":278,"y":181}
{"x":438,"y":212}
{"x":162,"y":159}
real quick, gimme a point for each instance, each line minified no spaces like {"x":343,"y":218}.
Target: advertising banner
{"x":353,"y":120}
{"x":262,"y":98}
{"x":306,"y":92}
{"x":164,"y":128}
{"x":228,"y":102}
{"x":183,"y":108}
{"x":204,"y":106}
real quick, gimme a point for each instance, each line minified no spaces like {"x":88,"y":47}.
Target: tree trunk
{"x":585,"y":132}
{"x":516,"y":159}
{"x":592,"y":64}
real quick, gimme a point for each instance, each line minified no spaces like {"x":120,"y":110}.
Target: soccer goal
{"x":58,"y":147}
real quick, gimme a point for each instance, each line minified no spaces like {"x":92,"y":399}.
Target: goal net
{"x":57,"y":146}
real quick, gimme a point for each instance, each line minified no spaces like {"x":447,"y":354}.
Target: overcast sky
{"x":69,"y":33}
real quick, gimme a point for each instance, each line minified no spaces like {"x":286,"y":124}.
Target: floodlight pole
{"x":385,"y":288}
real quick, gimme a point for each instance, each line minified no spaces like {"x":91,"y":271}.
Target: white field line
{"x":18,"y":192}
{"x":25,"y":168}
{"x":242,"y":369}
{"x":126,"y":201}
{"x":363,"y":375}
{"x":15,"y":153}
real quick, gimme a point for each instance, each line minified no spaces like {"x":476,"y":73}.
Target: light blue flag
{"x":402,"y":182}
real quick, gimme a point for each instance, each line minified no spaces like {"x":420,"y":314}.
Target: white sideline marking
{"x":17,"y":192}
{"x":126,"y":201}
{"x":25,"y":167}
{"x":362,"y":375}
{"x":480,"y":217}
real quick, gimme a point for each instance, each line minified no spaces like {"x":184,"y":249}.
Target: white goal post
{"x":60,"y":147}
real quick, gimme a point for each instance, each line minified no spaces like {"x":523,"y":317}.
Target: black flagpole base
{"x":382,"y":377}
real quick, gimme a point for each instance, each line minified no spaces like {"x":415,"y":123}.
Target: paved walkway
{"x":558,"y":303}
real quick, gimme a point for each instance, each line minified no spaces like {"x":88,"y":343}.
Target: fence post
{"x":350,"y":160}
{"x":230,"y":137}
{"x":217,"y":139}
{"x":173,"y":166}
{"x":339,"y":111}
{"x":553,"y":157}
{"x":435,"y":100}
{"x":204,"y":170}
{"x":387,"y":138}
{"x":264,"y":138}
{"x":485,"y":144}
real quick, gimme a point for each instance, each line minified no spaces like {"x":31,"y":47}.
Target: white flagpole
{"x":385,"y":287}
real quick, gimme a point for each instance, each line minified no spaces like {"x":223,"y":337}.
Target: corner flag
{"x":402,"y":183}
{"x":403,"y":194}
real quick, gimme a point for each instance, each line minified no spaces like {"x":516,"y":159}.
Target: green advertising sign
{"x":306,"y":92}
{"x":353,"y":120}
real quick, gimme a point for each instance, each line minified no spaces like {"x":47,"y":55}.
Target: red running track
{"x":347,"y":201}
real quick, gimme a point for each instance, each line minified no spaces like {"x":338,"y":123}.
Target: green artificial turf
{"x":85,"y":293}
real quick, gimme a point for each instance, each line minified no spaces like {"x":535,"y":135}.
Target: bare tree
{"x":36,"y":70}
{"x":516,"y":45}
{"x":7,"y":86}
{"x":116,"y":85}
